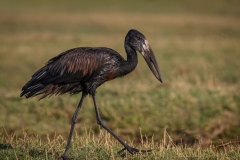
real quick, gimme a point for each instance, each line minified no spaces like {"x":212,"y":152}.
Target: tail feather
{"x":41,"y":84}
{"x":35,"y":79}
{"x":32,"y":91}
{"x":25,"y":87}
{"x":34,"y":86}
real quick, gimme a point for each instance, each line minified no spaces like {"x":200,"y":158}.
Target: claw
{"x":65,"y":157}
{"x":133,"y":150}
{"x":119,"y":152}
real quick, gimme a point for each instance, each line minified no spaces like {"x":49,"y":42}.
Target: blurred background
{"x":197,"y":46}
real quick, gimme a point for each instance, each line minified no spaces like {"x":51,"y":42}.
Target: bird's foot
{"x":133,"y":150}
{"x":65,"y":157}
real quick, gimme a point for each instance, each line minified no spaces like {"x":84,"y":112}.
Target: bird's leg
{"x":126,"y":146}
{"x":74,"y":120}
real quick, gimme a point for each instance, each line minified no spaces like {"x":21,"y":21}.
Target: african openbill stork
{"x":86,"y":68}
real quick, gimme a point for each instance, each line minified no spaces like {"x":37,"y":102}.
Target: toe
{"x":65,"y":157}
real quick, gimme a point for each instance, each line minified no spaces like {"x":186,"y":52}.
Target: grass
{"x":102,"y":146}
{"x":197,"y":48}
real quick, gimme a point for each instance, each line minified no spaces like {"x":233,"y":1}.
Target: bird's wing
{"x":63,"y":73}
{"x":71,"y":66}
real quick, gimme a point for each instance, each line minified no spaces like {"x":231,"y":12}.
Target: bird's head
{"x":138,"y":42}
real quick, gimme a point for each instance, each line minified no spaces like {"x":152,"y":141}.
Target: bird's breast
{"x":110,"y":76}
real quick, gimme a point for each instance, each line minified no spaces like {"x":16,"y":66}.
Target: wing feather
{"x":64,"y":73}
{"x":77,"y":63}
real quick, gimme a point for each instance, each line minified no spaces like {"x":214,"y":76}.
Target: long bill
{"x":149,"y":57}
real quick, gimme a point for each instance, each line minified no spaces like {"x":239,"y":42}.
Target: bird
{"x":84,"y":69}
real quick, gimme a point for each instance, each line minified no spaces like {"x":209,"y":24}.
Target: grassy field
{"x":198,"y":51}
{"x":103,"y":146}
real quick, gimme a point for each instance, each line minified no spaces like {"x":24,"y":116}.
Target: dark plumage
{"x":86,"y":68}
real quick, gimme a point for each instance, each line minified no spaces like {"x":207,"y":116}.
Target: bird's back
{"x":73,"y":71}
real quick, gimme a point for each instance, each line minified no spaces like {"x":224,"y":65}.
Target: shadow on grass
{"x":5,"y":146}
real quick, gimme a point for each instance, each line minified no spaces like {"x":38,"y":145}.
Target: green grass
{"x":102,"y":147}
{"x":197,"y":48}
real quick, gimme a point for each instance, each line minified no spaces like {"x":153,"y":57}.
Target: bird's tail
{"x":32,"y":91}
{"x":41,"y":84}
{"x":34,"y":86}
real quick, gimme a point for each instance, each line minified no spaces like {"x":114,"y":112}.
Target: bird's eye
{"x":138,"y":38}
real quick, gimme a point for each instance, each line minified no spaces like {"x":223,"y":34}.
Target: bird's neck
{"x":132,"y":60}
